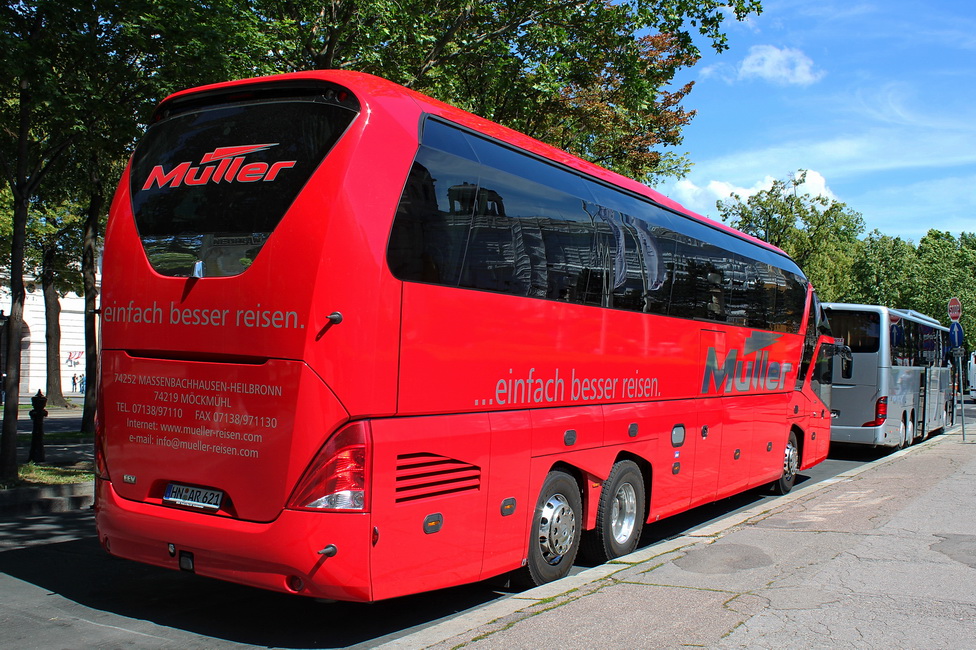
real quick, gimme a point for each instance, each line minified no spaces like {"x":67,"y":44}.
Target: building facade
{"x":33,"y":360}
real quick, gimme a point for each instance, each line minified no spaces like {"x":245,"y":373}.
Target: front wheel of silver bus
{"x":791,"y":466}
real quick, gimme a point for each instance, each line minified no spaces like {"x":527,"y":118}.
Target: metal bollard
{"x":37,"y":415}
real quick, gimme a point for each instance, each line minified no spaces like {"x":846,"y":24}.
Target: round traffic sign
{"x":955,"y":334}
{"x":955,"y":309}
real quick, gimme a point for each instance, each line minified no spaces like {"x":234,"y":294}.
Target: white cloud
{"x":702,"y":198}
{"x":784,"y":67}
{"x":816,"y":185}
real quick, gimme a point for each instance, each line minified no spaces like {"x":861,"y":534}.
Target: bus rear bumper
{"x":881,"y":436}
{"x":283,"y":555}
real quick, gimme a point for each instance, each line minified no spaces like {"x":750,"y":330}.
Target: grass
{"x":34,"y":475}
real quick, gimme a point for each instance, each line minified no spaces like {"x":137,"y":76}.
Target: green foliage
{"x":820,"y":233}
{"x":588,"y":76}
{"x":6,"y":223}
{"x":945,"y":269}
{"x":54,"y":245}
{"x":896,"y":273}
{"x":883,"y":272}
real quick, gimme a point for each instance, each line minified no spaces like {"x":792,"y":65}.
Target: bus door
{"x":675,"y":465}
{"x":708,"y":455}
{"x":821,"y":386}
{"x":922,"y":415}
{"x":710,"y":431}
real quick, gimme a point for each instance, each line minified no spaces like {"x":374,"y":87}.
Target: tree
{"x":819,"y":233}
{"x":140,"y":51}
{"x":883,"y":273}
{"x":589,"y":76}
{"x":54,"y":240}
{"x":31,"y":144}
{"x":945,"y":270}
{"x":75,"y":83}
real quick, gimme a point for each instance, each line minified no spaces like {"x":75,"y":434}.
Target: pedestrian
{"x":74,"y":383}
{"x":81,"y":383}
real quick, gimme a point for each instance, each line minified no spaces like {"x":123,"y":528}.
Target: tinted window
{"x":860,"y":330}
{"x":479,"y":215}
{"x":210,"y":185}
{"x":536,"y":233}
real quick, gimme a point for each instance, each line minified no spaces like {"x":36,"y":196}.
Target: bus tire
{"x":791,"y":465}
{"x":554,"y":538}
{"x":619,"y":516}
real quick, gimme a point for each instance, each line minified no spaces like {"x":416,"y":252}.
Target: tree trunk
{"x":52,"y":330}
{"x":89,"y":245}
{"x":15,"y":329}
{"x":15,"y":324}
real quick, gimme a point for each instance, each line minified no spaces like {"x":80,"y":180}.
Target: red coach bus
{"x":358,"y":344}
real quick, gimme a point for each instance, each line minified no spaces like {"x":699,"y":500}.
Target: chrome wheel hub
{"x":557,"y":528}
{"x":623,"y":515}
{"x":791,"y":462}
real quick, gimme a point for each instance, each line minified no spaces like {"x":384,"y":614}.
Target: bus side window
{"x":409,"y":251}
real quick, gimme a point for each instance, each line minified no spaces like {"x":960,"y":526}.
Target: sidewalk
{"x":880,"y":557}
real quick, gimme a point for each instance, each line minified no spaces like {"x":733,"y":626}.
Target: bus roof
{"x":371,"y":89}
{"x":907,"y":314}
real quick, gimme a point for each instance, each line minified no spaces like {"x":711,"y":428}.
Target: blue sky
{"x":876,"y":99}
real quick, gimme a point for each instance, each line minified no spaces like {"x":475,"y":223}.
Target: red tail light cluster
{"x":880,"y":413}
{"x":336,"y":478}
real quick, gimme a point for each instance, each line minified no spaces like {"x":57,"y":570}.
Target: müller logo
{"x":741,"y":375}
{"x":230,"y":168}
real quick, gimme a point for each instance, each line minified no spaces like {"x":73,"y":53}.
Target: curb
{"x":46,"y":499}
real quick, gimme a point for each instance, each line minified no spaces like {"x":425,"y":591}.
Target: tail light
{"x":336,"y":478}
{"x":880,"y":413}
{"x":101,"y":467}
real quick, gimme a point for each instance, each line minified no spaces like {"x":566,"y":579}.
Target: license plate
{"x":184,"y":495}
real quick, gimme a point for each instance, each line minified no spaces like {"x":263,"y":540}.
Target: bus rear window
{"x":210,"y":185}
{"x":859,"y":329}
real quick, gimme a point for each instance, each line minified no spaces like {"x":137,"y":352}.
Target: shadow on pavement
{"x":79,"y":570}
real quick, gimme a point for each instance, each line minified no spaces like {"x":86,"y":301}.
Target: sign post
{"x":956,"y":338}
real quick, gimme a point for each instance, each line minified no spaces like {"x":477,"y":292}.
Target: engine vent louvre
{"x":423,"y":475}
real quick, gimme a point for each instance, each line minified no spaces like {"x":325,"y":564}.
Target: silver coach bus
{"x":896,"y":388}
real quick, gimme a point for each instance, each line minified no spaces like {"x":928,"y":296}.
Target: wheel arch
{"x":801,"y":441}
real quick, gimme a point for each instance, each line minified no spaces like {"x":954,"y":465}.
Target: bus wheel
{"x":555,"y":536}
{"x":619,"y":515}
{"x":903,"y":432}
{"x":791,"y":465}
